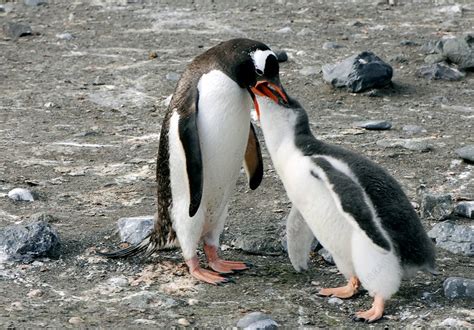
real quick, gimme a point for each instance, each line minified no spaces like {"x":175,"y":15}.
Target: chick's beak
{"x":273,"y":90}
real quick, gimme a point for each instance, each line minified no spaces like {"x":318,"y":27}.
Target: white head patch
{"x":259,"y":58}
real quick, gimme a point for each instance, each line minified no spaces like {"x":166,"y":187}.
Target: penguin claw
{"x":209,"y":276}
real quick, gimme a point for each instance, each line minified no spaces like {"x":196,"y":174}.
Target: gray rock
{"x":408,"y":43}
{"x":25,"y":242}
{"x":326,"y":256}
{"x":439,"y":71}
{"x":465,"y":209}
{"x":173,"y":76}
{"x":413,"y":129}
{"x":34,"y":3}
{"x":309,"y":70}
{"x":359,"y":72}
{"x":145,"y":299}
{"x":457,"y":239}
{"x":284,"y":30}
{"x":133,"y":230}
{"x":378,"y":125}
{"x":43,"y":217}
{"x":466,"y":153}
{"x":21,"y":194}
{"x":281,"y":55}
{"x":410,"y":144}
{"x":434,"y":58}
{"x":259,"y":244}
{"x":335,"y":301}
{"x":257,"y":320}
{"x":458,"y":288}
{"x":331,"y":45}
{"x":436,"y":206}
{"x":16,"y":30}
{"x":460,"y":51}
{"x":65,"y":36}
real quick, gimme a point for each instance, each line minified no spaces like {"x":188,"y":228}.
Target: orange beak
{"x":269,"y":89}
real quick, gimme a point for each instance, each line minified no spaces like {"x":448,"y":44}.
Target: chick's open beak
{"x":270,"y":89}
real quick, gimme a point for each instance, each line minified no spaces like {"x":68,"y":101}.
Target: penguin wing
{"x":353,"y":201}
{"x":253,"y":162}
{"x":189,"y":137}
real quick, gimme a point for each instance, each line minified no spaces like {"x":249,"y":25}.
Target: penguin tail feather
{"x":145,"y":248}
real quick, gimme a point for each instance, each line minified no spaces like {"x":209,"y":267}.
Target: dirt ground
{"x":80,"y":122}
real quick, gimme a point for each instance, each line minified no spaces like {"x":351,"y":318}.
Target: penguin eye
{"x":259,"y":72}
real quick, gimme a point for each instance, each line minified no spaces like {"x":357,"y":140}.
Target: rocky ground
{"x":83,"y":93}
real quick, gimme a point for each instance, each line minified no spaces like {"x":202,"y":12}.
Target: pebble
{"x":259,"y":244}
{"x":65,"y":36}
{"x":25,"y":242}
{"x":439,"y":71}
{"x":75,"y":320}
{"x":458,"y":239}
{"x":434,"y":58}
{"x":286,"y":29}
{"x":466,"y":153}
{"x":173,"y":76}
{"x":458,"y":287}
{"x":335,"y":301}
{"x":326,"y":256}
{"x":436,"y":206}
{"x":465,"y":209}
{"x":413,"y":129}
{"x":359,"y":72}
{"x":16,"y":30}
{"x":35,"y":293}
{"x":378,"y":125}
{"x":133,"y":230}
{"x":257,"y":320}
{"x":192,"y":301}
{"x":410,"y":144}
{"x":409,"y":43}
{"x":183,"y":322}
{"x":21,"y":194}
{"x":281,"y":55}
{"x":34,"y":3}
{"x":331,"y":45}
{"x":119,"y":281}
{"x":309,"y":70}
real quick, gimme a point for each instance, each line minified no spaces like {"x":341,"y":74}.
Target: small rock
{"x":359,"y":72}
{"x":455,"y":323}
{"x":50,"y":105}
{"x":408,"y":43}
{"x":65,"y":36}
{"x":281,"y":55}
{"x":76,"y":320}
{"x":152,"y":55}
{"x":98,"y":82}
{"x":458,"y":287}
{"x":192,"y":301}
{"x":305,"y":32}
{"x":326,"y":256}
{"x":134,"y":230}
{"x":182,"y":321}
{"x":25,"y":242}
{"x":434,"y":58}
{"x":378,"y":125}
{"x":259,"y":244}
{"x":410,"y":144}
{"x":458,"y":239}
{"x":173,"y":76}
{"x":16,"y":30}
{"x":413,"y":129}
{"x":465,"y":209}
{"x":439,"y":71}
{"x":335,"y":301}
{"x":331,"y":45}
{"x":286,"y":29}
{"x":21,"y":194}
{"x":35,"y":293}
{"x":119,"y":282}
{"x":34,"y":3}
{"x":436,"y":206}
{"x":146,"y":299}
{"x":466,"y":153}
{"x":309,"y":70}
{"x":257,"y":320}
{"x":459,"y":50}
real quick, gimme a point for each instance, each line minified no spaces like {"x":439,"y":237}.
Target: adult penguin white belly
{"x":205,"y":136}
{"x":357,"y":211}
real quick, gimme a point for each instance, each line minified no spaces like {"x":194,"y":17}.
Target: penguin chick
{"x":205,"y":136}
{"x":356,"y":210}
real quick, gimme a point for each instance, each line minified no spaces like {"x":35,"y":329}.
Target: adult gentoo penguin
{"x":205,"y":136}
{"x":356,"y":210}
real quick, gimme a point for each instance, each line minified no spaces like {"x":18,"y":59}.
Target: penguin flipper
{"x":188,"y":134}
{"x":299,"y":239}
{"x":352,"y":199}
{"x":253,"y":162}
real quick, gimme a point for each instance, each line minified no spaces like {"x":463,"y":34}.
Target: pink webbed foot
{"x":222,"y":266}
{"x":205,"y":275}
{"x":347,"y":291}
{"x":373,"y":314}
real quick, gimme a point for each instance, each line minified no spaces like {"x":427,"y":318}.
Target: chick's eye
{"x":259,"y":72}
